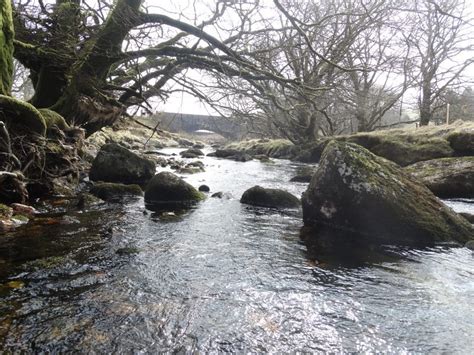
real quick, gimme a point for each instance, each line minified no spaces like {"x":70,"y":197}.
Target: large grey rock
{"x":446,"y":178}
{"x":276,"y":198}
{"x":115,"y":163}
{"x":366,"y":199}
{"x":166,"y":189}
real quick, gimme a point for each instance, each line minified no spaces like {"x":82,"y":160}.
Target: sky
{"x":185,"y":103}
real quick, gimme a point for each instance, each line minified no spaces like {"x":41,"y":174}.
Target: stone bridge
{"x":190,"y":123}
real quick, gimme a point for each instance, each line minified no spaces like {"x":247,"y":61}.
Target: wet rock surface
{"x":109,"y":191}
{"x":167,"y":189}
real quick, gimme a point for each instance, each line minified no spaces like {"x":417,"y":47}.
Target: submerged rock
{"x":259,"y":196}
{"x":304,"y":174}
{"x":448,"y":177}
{"x":191,"y":153}
{"x":222,"y":195}
{"x":204,"y":188}
{"x":86,"y":200}
{"x":366,"y":199}
{"x":115,"y":163}
{"x":109,"y":191}
{"x":166,"y":189}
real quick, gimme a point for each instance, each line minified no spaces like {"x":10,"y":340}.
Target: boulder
{"x":405,"y":152}
{"x":468,"y":216}
{"x":166,"y":189}
{"x":446,"y":178}
{"x":276,"y":198}
{"x":191,"y":153}
{"x":304,"y":174}
{"x":86,"y":200}
{"x":204,"y":188}
{"x":301,"y":178}
{"x":470,"y":245}
{"x":222,"y":195}
{"x":115,"y":163}
{"x":225,"y":153}
{"x":356,"y":197}
{"x":462,"y":142}
{"x":109,"y":190}
{"x":262,"y":157}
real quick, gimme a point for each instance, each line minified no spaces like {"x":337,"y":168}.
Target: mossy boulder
{"x":462,"y":142}
{"x":447,"y":177}
{"x":276,"y":198}
{"x":360,"y":198}
{"x":115,"y":163}
{"x":274,"y":148}
{"x":191,"y":153}
{"x":108,"y":190}
{"x":225,"y":153}
{"x":405,"y":152}
{"x":166,"y":189}
{"x":232,"y":154}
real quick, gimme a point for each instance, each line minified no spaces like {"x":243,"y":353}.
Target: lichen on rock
{"x":372,"y":200}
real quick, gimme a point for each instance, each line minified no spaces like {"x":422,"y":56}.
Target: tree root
{"x":21,"y":116}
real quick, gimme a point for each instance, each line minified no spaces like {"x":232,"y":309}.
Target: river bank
{"x":222,"y":276}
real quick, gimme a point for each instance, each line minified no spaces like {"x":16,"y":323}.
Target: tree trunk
{"x":83,"y":101}
{"x":425,"y":104}
{"x":6,"y":47}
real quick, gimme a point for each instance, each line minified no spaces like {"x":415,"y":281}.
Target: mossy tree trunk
{"x":83,"y":101}
{"x":6,"y":47}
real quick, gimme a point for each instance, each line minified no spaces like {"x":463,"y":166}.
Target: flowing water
{"x":222,"y":277}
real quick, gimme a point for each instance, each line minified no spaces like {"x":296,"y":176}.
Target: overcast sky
{"x":184,"y":9}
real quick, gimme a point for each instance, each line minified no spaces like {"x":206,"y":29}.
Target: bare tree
{"x":441,"y":35}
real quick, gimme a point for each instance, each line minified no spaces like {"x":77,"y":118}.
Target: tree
{"x":440,"y":34}
{"x":91,"y":64}
{"x":6,"y":48}
{"x":347,"y":55}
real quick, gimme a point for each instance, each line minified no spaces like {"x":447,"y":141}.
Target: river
{"x":222,"y":277}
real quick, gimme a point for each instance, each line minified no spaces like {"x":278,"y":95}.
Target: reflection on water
{"x":222,"y":276}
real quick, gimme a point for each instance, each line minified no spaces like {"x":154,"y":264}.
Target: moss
{"x":5,"y":211}
{"x":6,"y":47}
{"x":408,"y":150}
{"x":372,"y":198}
{"x":22,"y":116}
{"x":275,"y":148}
{"x":53,"y":118}
{"x":168,"y":190}
{"x":21,"y":218}
{"x":447,"y":177}
{"x":462,"y":142}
